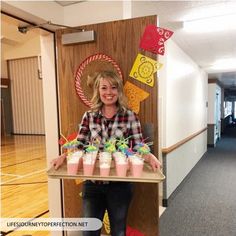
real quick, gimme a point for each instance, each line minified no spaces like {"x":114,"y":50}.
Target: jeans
{"x":115,"y":197}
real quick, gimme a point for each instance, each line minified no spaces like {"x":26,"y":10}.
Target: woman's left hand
{"x":153,"y":161}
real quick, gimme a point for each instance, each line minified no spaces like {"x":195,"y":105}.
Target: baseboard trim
{"x":211,"y":145}
{"x":167,"y":201}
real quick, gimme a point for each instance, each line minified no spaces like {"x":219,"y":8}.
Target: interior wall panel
{"x":27,"y":96}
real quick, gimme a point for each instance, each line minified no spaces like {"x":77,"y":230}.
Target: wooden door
{"x":26,"y":96}
{"x":120,"y":41}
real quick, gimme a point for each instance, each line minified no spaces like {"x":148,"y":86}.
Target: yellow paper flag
{"x":144,"y":68}
{"x":106,"y":223}
{"x":78,"y":181}
{"x":135,"y":95}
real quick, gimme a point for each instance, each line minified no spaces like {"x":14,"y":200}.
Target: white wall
{"x":35,"y":10}
{"x":28,"y":49}
{"x":182,"y":100}
{"x":185,"y":95}
{"x":213,"y":89}
{"x":218,"y":111}
{"x":181,"y":161}
{"x":82,"y":13}
{"x":144,"y":8}
{"x":214,"y":108}
{"x":211,"y":103}
{"x":51,"y":121}
{"x":91,"y":12}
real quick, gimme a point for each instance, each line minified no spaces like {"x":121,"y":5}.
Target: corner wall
{"x":182,"y":103}
{"x":214,"y":113}
{"x":51,"y":123}
{"x":30,"y":48}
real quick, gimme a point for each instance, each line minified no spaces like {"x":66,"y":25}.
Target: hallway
{"x":205,"y":203}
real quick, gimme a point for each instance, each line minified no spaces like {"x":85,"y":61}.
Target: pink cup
{"x":89,"y":160}
{"x":119,"y":156}
{"x":121,"y":168}
{"x":105,"y":157}
{"x":137,"y":168}
{"x":78,"y":156}
{"x":104,"y":171}
{"x":72,"y":168}
{"x":88,"y":168}
{"x":104,"y":165}
{"x":91,"y":155}
{"x":73,"y":162}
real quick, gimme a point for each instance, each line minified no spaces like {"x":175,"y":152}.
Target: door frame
{"x":51,"y":115}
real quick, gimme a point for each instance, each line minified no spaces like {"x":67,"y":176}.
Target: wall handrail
{"x":180,"y":143}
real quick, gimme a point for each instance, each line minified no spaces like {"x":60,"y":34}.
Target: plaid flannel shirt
{"x":123,"y":124}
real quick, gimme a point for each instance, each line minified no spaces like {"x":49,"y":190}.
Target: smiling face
{"x":108,"y":92}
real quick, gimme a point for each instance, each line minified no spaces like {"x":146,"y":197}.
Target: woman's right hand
{"x":57,"y":162}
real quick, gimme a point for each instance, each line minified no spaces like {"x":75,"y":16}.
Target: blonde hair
{"x":113,"y":79}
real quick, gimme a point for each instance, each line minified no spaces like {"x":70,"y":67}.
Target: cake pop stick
{"x":129,"y":151}
{"x":64,"y":137}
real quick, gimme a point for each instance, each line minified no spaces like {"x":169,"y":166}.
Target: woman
{"x":109,"y":118}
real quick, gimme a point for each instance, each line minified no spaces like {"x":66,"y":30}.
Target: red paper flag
{"x":133,"y":232}
{"x":153,"y":39}
{"x":70,"y":137}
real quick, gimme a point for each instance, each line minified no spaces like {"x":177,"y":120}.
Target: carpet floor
{"x":205,"y":204}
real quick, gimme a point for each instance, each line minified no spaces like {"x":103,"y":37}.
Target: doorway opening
{"x":24,"y":182}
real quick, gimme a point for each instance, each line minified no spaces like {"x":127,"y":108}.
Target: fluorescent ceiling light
{"x":223,"y":65}
{"x":215,"y":23}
